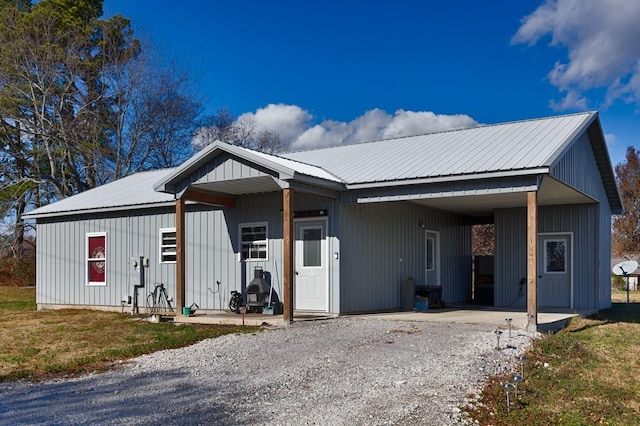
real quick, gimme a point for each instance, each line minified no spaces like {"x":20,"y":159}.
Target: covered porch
{"x":222,"y":174}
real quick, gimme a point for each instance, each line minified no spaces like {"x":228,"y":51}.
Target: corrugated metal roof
{"x":497,"y":148}
{"x":133,"y":190}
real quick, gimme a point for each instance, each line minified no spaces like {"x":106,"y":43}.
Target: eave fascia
{"x":317,"y":181}
{"x":99,"y":210}
{"x":454,"y":178}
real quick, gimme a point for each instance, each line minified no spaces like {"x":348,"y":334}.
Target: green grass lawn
{"x":36,"y":345}
{"x":585,"y":374}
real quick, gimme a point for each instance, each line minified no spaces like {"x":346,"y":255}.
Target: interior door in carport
{"x":432,"y":258}
{"x":554,"y":270}
{"x":311,"y":266}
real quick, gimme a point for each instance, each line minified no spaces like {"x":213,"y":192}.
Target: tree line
{"x":83,"y":102}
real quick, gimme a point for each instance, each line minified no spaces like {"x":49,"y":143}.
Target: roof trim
{"x":62,"y":213}
{"x":593,"y":128}
{"x":451,"y":178}
{"x":167,"y":184}
{"x":451,"y":194}
{"x":603,"y":160}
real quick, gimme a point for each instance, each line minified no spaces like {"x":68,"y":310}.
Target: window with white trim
{"x":168,"y":251}
{"x":431,"y":254}
{"x":253,"y":241}
{"x":96,"y":260}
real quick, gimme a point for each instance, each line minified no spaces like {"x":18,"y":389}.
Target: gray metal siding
{"x":61,"y":251}
{"x":221,"y":168}
{"x":382,"y":245}
{"x":583,"y":221}
{"x":603,"y":268}
{"x":510,"y":257}
{"x":577,"y":168}
{"x":511,"y":251}
{"x":211,"y":252}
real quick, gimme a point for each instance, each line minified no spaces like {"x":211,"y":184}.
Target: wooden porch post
{"x":532,"y":259}
{"x":180,"y":255}
{"x":287,"y":215}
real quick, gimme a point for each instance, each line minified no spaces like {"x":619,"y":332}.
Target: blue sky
{"x":326,"y":72}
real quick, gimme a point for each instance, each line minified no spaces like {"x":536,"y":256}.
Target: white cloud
{"x":288,"y":121}
{"x":297,"y":131}
{"x":610,"y":138}
{"x":572,"y":99}
{"x":602,"y":42}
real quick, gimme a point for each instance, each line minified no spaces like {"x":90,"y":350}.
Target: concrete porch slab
{"x":229,"y":318}
{"x":549,"y":319}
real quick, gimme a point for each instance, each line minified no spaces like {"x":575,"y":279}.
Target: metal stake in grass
{"x":522,"y":360}
{"x":498,"y":334}
{"x":508,"y":387}
{"x":516,"y":381}
{"x":529,"y":318}
{"x":508,"y":320}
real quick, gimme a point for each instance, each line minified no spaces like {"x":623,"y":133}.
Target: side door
{"x":554,"y":270}
{"x":432,"y":258}
{"x":311,"y":279}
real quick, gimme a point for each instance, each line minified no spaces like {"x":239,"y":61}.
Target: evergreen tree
{"x":81,"y":103}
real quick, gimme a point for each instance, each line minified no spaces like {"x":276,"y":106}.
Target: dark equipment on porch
{"x":258,"y":292}
{"x":433,"y":293}
{"x":236,"y":302}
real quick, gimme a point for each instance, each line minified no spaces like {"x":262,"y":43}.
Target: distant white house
{"x":338,"y":230}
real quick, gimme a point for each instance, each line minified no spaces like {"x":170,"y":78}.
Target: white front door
{"x":311,"y":284}
{"x":554,"y":270}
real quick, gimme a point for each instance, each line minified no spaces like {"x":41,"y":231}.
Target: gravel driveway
{"x":344,"y":371}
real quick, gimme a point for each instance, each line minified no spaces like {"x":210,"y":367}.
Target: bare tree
{"x":154,"y":111}
{"x":224,"y":127}
{"x":269,"y":142}
{"x":626,"y":227}
{"x":483,"y":240}
{"x":82,"y":103}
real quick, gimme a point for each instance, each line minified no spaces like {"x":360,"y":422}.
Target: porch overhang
{"x":221,"y":173}
{"x":476,"y":198}
{"x":230,"y":170}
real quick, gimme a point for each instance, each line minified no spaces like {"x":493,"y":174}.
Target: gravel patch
{"x":344,"y":371}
